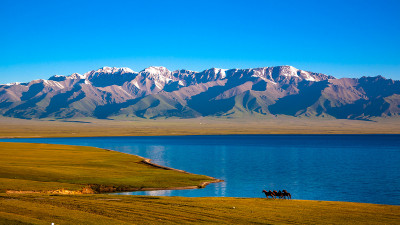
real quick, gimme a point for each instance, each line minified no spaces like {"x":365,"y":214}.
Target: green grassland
{"x":43,"y":167}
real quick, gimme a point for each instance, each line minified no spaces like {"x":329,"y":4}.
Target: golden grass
{"x":109,"y":209}
{"x":17,"y":128}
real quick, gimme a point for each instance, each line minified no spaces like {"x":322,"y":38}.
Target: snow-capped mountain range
{"x":156,"y":92}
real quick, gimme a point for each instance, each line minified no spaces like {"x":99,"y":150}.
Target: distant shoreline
{"x":19,"y":128}
{"x":183,"y":135}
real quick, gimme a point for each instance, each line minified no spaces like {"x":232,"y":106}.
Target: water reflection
{"x":160,"y":193}
{"x":157,"y":154}
{"x":220,"y":189}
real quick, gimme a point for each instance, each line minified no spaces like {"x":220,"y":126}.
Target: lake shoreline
{"x":199,"y":135}
{"x":111,"y":189}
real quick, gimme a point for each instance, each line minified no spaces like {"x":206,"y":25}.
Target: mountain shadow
{"x":309,"y":93}
{"x":28,"y":109}
{"x":63,"y":100}
{"x":206,"y":105}
{"x":360,"y":109}
{"x":105,"y":111}
{"x":34,"y":89}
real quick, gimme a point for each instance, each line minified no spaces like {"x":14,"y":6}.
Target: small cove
{"x":355,"y":168}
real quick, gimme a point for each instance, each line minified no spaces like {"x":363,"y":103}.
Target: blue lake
{"x":355,"y":168}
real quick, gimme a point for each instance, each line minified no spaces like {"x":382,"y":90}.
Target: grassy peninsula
{"x":46,"y":168}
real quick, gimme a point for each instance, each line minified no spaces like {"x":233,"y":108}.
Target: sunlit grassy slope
{"x":106,"y":209}
{"x":43,"y":167}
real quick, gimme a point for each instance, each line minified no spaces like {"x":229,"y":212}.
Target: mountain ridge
{"x":156,"y":92}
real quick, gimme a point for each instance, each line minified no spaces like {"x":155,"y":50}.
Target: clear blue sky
{"x":340,"y":38}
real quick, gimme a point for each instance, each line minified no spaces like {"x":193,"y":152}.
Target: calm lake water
{"x":355,"y":168}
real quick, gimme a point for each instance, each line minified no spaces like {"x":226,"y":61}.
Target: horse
{"x":278,"y":194}
{"x":268,"y":193}
{"x":286,"y":194}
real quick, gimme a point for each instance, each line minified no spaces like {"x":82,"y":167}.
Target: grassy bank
{"x":43,"y":167}
{"x":106,"y":209}
{"x":18,"y":128}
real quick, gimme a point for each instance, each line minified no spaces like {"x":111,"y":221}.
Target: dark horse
{"x":278,"y":194}
{"x":269,"y":193}
{"x":286,"y":194}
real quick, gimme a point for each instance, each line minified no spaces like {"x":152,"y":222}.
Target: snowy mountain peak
{"x":11,"y":84}
{"x":220,"y":72}
{"x":106,"y":72}
{"x":156,"y":70}
{"x":127,"y":70}
{"x":76,"y":76}
{"x":107,"y":69}
{"x":289,"y":71}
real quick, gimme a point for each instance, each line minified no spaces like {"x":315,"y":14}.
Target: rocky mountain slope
{"x":157,"y":92}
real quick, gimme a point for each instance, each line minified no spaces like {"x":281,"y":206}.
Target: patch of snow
{"x":156,"y":70}
{"x":158,"y":85}
{"x":59,"y":85}
{"x":306,"y":75}
{"x":185,"y":71}
{"x":260,"y":72}
{"x":127,"y":70}
{"x":87,"y":74}
{"x":181,"y":83}
{"x":107,"y":69}
{"x":104,"y":69}
{"x":52,"y":83}
{"x":159,"y":74}
{"x":217,"y":71}
{"x":289,"y":71}
{"x":76,"y":76}
{"x":223,"y":74}
{"x":11,"y":84}
{"x":136,"y":84}
{"x":264,"y":79}
{"x":257,"y":73}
